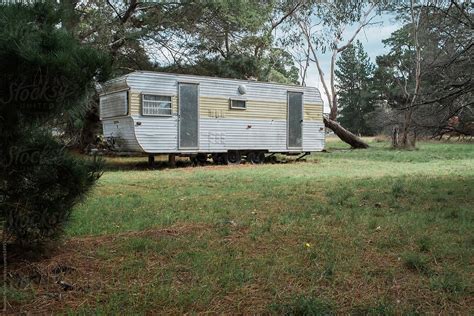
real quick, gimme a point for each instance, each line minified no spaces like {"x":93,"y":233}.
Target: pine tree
{"x":354,"y":77}
{"x":44,"y":73}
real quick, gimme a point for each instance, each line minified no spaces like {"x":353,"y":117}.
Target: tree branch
{"x":315,"y":59}
{"x":362,"y":24}
{"x":275,"y":24}
{"x":115,"y":10}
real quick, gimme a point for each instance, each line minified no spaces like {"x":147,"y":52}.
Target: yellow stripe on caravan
{"x":219,"y":107}
{"x":134,"y":102}
{"x":313,"y":112}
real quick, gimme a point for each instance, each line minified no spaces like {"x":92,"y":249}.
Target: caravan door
{"x":188,"y":126}
{"x":295,"y":120}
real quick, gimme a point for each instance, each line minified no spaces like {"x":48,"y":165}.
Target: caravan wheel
{"x":234,"y":157}
{"x":220,"y":159}
{"x":256,"y":157}
{"x":201,"y":158}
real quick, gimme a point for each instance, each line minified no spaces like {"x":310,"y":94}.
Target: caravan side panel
{"x":122,"y":131}
{"x":313,"y":136}
{"x":155,"y":134}
{"x":262,"y":125}
{"x":313,"y":127}
{"x":220,"y":134}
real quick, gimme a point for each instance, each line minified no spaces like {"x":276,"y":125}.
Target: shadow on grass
{"x":138,"y":164}
{"x":141,"y":163}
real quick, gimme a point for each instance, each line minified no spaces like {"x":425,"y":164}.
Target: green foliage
{"x":275,"y":66}
{"x":355,"y":90}
{"x":42,"y":185}
{"x":396,"y":70}
{"x":234,"y":40}
{"x":44,"y":73}
{"x":231,"y":39}
{"x":443,"y":102}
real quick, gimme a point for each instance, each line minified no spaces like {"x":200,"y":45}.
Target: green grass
{"x":375,"y":231}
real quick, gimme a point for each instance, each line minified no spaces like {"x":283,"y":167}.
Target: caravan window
{"x":238,"y":104}
{"x":156,"y":105}
{"x":114,"y":104}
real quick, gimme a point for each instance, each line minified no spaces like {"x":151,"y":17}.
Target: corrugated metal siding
{"x":135,"y":103}
{"x":313,"y":112}
{"x":174,"y":104}
{"x":221,"y":128}
{"x":123,"y":130}
{"x":313,"y":136}
{"x":159,"y":135}
{"x":218,"y":87}
{"x":233,"y":134}
{"x":114,"y":85}
{"x":219,"y":107}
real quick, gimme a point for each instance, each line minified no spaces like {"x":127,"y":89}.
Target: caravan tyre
{"x":234,"y":157}
{"x":201,"y":158}
{"x":256,"y":157}
{"x":220,"y":158}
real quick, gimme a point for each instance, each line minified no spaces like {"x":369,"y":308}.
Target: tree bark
{"x":395,"y":132}
{"x":344,"y":134}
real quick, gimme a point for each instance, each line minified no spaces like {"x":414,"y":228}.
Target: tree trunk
{"x":395,"y":132}
{"x":91,"y":127}
{"x":344,"y":134}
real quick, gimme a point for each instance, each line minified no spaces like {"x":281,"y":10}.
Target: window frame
{"x":154,"y":101}
{"x":127,"y":104}
{"x":238,"y":108}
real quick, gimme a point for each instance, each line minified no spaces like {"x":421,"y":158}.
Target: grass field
{"x":374,"y":231}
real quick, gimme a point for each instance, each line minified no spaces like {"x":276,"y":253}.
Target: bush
{"x":43,"y":184}
{"x":44,"y":75}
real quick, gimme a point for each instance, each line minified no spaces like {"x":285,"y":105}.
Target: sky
{"x":371,"y":37}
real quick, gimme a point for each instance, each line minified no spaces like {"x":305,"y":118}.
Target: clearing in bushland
{"x":373,"y":231}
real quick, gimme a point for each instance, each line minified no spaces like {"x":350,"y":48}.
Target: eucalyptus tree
{"x":446,"y":98}
{"x":321,"y":26}
{"x":236,"y":39}
{"x":426,"y":77}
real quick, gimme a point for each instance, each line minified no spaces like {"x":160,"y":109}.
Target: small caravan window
{"x":238,"y":104}
{"x":114,"y":104}
{"x":156,"y":105}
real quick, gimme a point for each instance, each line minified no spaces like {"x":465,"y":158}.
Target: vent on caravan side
{"x":114,"y":104}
